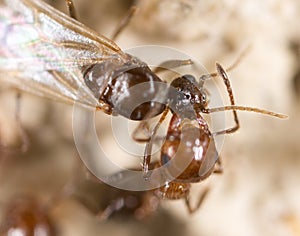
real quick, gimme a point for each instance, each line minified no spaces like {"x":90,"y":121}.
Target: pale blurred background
{"x":258,"y":194}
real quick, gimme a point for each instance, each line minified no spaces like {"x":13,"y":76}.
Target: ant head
{"x":190,"y":93}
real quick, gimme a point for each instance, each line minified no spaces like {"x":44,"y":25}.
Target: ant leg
{"x":143,"y":130}
{"x":125,"y":21}
{"x":115,"y":206}
{"x":71,"y":9}
{"x":102,"y":106}
{"x":22,"y":132}
{"x":148,"y":148}
{"x":148,"y":205}
{"x":120,"y":27}
{"x":226,"y":80}
{"x":218,"y":169}
{"x":171,"y":64}
{"x":201,"y":198}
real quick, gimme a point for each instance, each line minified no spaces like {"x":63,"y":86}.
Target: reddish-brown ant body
{"x":189,"y":143}
{"x":109,"y":73}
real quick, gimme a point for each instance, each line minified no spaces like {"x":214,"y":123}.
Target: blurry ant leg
{"x":201,"y":198}
{"x":115,"y":206}
{"x":148,"y":148}
{"x":71,"y":9}
{"x":226,"y":81}
{"x":120,"y":27}
{"x":141,"y":133}
{"x":22,"y":132}
{"x":171,"y":64}
{"x":124,"y":22}
{"x":218,"y":169}
{"x":2,"y":145}
{"x":231,"y":67}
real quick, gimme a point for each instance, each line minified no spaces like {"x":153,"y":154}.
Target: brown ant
{"x":109,"y":73}
{"x":189,"y":146}
{"x":189,"y":152}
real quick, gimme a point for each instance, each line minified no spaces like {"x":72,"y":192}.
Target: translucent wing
{"x":43,"y":51}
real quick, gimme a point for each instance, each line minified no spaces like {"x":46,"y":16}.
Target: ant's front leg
{"x":218,"y":169}
{"x":148,"y":148}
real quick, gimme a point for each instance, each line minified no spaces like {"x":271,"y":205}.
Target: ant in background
{"x":26,"y":216}
{"x":107,"y":202}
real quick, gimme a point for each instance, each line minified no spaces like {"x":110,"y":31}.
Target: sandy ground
{"x":259,"y":190}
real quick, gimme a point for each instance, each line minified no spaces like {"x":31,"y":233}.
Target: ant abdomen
{"x":190,"y":149}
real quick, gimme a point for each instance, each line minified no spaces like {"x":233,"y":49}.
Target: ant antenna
{"x":243,"y":108}
{"x":243,"y":53}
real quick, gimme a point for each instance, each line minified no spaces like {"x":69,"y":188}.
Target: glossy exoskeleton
{"x":189,"y":143}
{"x":111,"y":81}
{"x":50,"y":54}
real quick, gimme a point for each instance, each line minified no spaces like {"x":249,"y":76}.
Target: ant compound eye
{"x":187,"y":96}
